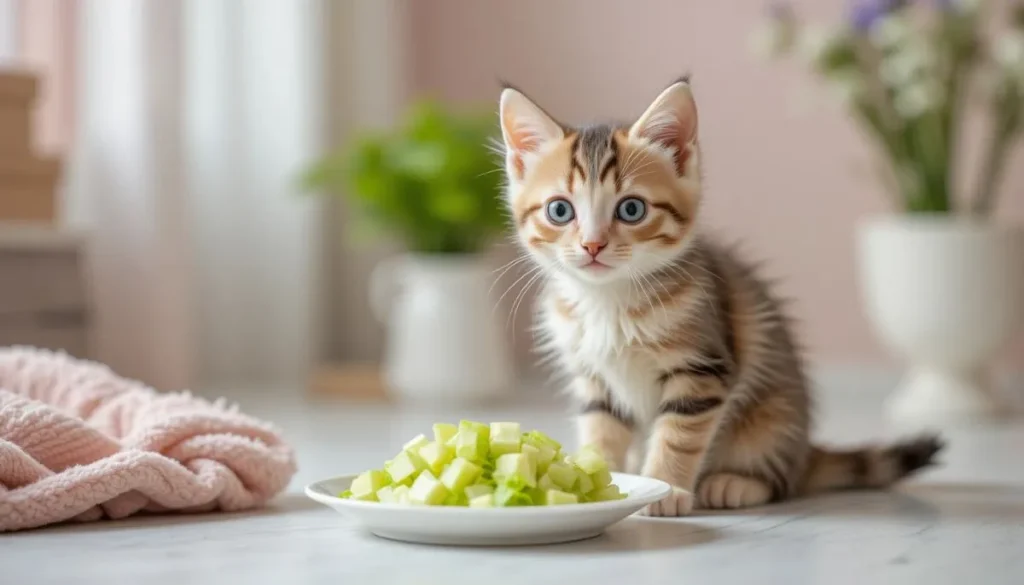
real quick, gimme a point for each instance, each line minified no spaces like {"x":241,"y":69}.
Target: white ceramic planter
{"x":444,"y":341}
{"x":947,"y":294}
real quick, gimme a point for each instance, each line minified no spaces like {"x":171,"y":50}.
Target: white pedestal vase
{"x":947,"y":294}
{"x":444,"y":339}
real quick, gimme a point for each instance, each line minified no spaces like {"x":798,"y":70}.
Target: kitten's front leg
{"x":692,"y":403}
{"x":602,"y":423}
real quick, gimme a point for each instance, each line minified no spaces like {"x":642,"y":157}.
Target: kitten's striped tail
{"x":871,"y":467}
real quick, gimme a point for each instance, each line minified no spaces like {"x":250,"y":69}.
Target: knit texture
{"x":78,"y":442}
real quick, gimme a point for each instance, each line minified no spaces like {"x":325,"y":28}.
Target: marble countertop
{"x":960,"y":523}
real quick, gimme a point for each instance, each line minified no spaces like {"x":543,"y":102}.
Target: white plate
{"x":491,"y":526}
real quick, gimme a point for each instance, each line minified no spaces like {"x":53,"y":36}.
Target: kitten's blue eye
{"x":631,"y":210}
{"x":560,"y":211}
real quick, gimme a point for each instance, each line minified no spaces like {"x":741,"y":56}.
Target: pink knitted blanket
{"x":78,"y":442}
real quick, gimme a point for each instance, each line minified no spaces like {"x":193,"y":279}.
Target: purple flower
{"x":865,"y":13}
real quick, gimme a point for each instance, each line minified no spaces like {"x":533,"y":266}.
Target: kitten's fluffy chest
{"x":595,"y":334}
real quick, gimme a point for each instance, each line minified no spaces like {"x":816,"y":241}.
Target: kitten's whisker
{"x":688,"y":262}
{"x":685,"y":274}
{"x":518,"y":301}
{"x":533,"y":270}
{"x":504,"y":269}
{"x":647,"y":279}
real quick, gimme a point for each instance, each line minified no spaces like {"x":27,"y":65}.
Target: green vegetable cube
{"x":436,"y":455}
{"x":477,"y":490}
{"x":601,"y":478}
{"x":345,"y":494}
{"x":504,"y":438}
{"x":404,"y":467}
{"x":470,"y":444}
{"x":386,"y":495}
{"x":538,"y":438}
{"x":480,"y":428}
{"x":545,"y":483}
{"x":590,"y":460}
{"x":545,"y":457}
{"x":556,"y":498}
{"x":606,"y":494}
{"x":415,"y":444}
{"x":456,"y":500}
{"x":367,"y":497}
{"x":427,"y":490}
{"x":505,"y":496}
{"x":482,"y":501}
{"x":562,"y":475}
{"x":516,"y":470}
{"x":369,"y":482}
{"x":444,"y":432}
{"x":401,"y":494}
{"x":459,"y":474}
{"x":586,"y":485}
{"x":531,"y":453}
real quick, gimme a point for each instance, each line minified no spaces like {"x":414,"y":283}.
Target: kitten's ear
{"x":670,"y":122}
{"x":526,"y":129}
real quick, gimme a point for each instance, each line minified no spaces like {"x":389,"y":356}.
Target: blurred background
{"x":184,"y":249}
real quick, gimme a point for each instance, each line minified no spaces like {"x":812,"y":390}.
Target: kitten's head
{"x":603,"y":203}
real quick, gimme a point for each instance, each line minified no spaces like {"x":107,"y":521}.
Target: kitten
{"x":668,"y":334}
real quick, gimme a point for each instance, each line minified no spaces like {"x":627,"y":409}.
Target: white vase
{"x":946,"y":294}
{"x":444,"y":342}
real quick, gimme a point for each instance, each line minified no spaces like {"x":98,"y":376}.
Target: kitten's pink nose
{"x":594,"y":247}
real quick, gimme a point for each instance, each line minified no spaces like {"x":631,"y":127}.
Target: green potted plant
{"x":943,"y":281}
{"x":434,"y":184}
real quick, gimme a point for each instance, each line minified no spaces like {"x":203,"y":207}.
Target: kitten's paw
{"x":678,"y":503}
{"x":728,"y":490}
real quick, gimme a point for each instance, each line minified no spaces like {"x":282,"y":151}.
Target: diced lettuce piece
{"x":590,"y":460}
{"x":470,"y":444}
{"x":481,"y":429}
{"x":606,"y":494}
{"x":557,"y":498}
{"x":505,"y":496}
{"x":562,"y":475}
{"x":482,"y":501}
{"x":544,"y":483}
{"x":531,"y":453}
{"x":369,"y":482}
{"x":601,"y":478}
{"x":515,"y":470}
{"x":401,"y":494}
{"x":585,"y":485}
{"x":454,"y":499}
{"x":415,"y":444}
{"x":404,"y":467}
{"x":459,"y":474}
{"x":436,"y":456}
{"x":537,"y":438}
{"x":386,"y":495}
{"x":367,"y":497}
{"x":427,"y":490}
{"x":477,"y":490}
{"x":505,"y":438}
{"x":443,"y":432}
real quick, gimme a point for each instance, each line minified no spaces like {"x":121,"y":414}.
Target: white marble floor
{"x":960,"y":523}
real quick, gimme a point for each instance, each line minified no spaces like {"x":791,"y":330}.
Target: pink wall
{"x":790,"y":184}
{"x":48,"y":30}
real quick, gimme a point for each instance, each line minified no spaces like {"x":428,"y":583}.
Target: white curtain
{"x":195,"y":119}
{"x":8,"y":32}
